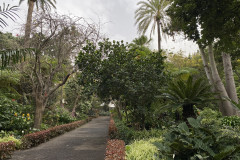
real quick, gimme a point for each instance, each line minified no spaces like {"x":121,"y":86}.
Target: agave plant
{"x":186,"y":94}
{"x":6,"y":11}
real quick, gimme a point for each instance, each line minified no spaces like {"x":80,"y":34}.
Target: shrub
{"x":232,"y":121}
{"x":146,"y":134}
{"x":128,"y":134}
{"x":58,"y":116}
{"x":115,"y":150}
{"x":196,"y":141}
{"x":13,"y":139}
{"x":6,"y":149}
{"x":103,"y":113}
{"x":210,"y":118}
{"x":34,"y":139}
{"x":123,"y":132}
{"x":13,"y":116}
{"x":143,"y":150}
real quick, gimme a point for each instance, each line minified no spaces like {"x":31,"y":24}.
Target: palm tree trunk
{"x":230,"y":83}
{"x":29,"y":23}
{"x":159,"y":35}
{"x":226,"y":108}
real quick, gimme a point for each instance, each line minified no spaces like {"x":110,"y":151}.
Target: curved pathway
{"x":87,"y":142}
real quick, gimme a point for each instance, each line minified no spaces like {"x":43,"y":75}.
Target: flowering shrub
{"x":34,"y":139}
{"x":14,"y":116}
{"x":112,"y":131}
{"x":115,"y":150}
{"x":6,"y":148}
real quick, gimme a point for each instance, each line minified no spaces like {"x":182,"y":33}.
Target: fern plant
{"x":186,"y":94}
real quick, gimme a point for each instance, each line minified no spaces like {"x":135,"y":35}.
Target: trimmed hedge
{"x":34,"y":139}
{"x":115,"y":150}
{"x":6,"y":149}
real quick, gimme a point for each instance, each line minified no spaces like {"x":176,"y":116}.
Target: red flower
{"x":13,"y":100}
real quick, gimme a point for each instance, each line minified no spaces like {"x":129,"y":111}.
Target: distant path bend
{"x":87,"y":142}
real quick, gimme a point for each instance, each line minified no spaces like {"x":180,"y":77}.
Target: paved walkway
{"x":87,"y":142}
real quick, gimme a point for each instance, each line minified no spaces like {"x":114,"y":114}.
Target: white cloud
{"x":117,"y":17}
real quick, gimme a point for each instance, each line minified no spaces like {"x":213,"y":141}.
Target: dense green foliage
{"x":194,"y":141}
{"x":143,"y":149}
{"x":116,"y":71}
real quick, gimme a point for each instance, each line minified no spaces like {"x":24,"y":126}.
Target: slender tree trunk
{"x":206,"y":68}
{"x":75,"y":106}
{"x":159,"y":35}
{"x":209,"y":75}
{"x":226,"y":108}
{"x":230,"y":83}
{"x":125,"y":109}
{"x":38,"y":112}
{"x":29,"y":23}
{"x":118,"y":110}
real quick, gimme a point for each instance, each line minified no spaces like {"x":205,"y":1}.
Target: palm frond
{"x":188,"y":92}
{"x":13,"y":56}
{"x":6,"y":11}
{"x":147,"y":14}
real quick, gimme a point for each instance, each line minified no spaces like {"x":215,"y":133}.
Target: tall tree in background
{"x":44,"y":4}
{"x":207,"y":22}
{"x":151,"y":12}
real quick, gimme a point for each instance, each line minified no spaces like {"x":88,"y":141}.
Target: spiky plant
{"x":186,"y":94}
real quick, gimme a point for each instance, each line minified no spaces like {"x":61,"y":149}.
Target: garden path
{"x":87,"y":142}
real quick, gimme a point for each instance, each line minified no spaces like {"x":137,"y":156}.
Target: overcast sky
{"x":116,"y":17}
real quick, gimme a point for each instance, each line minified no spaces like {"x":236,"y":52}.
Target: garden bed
{"x":115,"y":149}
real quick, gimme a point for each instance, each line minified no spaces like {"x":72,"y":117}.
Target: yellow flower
{"x":23,"y":115}
{"x":15,"y":114}
{"x":28,"y":118}
{"x":28,"y":115}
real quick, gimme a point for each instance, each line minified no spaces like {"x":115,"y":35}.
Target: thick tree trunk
{"x":28,"y":23}
{"x":159,"y":35}
{"x":226,"y":107}
{"x":230,"y":83}
{"x":38,"y":112}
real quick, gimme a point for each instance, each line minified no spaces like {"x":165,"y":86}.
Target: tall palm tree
{"x":151,"y":12}
{"x":43,"y":4}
